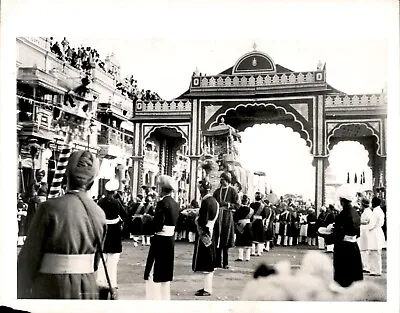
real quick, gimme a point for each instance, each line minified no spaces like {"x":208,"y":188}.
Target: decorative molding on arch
{"x":209,"y":111}
{"x":303,"y":130}
{"x":182,"y":128}
{"x":375,"y":127}
{"x":302,"y":109}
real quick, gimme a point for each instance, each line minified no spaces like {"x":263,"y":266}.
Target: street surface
{"x":227,"y":284}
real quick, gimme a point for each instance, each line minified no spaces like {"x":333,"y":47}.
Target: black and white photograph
{"x":218,"y":152}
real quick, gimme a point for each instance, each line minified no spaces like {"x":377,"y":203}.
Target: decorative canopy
{"x":221,"y":130}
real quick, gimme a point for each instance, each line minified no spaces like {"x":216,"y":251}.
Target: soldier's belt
{"x":67,"y":263}
{"x":167,"y":231}
{"x":113,"y":221}
{"x":257,"y":217}
{"x":350,"y":238}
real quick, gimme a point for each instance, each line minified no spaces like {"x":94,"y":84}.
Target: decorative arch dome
{"x":254,"y":62}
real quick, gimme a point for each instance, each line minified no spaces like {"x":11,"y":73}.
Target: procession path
{"x":228,"y":284}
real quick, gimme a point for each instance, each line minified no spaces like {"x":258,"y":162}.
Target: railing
{"x":356,"y":100}
{"x":104,"y":77}
{"x":40,"y":42}
{"x":116,"y":138}
{"x":163,"y":106}
{"x":229,"y":81}
{"x":31,"y":73}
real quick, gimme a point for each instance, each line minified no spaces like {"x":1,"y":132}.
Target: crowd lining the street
{"x":65,"y":254}
{"x":88,"y":58}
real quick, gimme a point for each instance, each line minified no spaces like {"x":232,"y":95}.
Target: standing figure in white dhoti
{"x":205,"y":243}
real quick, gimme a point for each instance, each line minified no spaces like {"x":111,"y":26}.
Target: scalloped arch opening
{"x":247,"y":115}
{"x":361,"y":132}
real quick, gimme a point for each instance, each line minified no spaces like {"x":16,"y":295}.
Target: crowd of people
{"x":88,"y":58}
{"x":73,"y":243}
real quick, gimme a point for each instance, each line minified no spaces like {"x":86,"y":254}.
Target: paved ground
{"x":227,"y":284}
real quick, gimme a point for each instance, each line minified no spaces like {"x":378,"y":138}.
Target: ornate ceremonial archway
{"x":256,"y":90}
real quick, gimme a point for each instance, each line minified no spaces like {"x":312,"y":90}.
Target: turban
{"x":365,"y":202}
{"x":227,"y":176}
{"x":40,"y":172}
{"x":166,"y":182}
{"x":346,"y":192}
{"x":82,"y":168}
{"x":112,"y":185}
{"x":205,"y":184}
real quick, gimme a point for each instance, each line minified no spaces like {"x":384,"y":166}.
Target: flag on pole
{"x":348,"y":177}
{"x":55,"y":187}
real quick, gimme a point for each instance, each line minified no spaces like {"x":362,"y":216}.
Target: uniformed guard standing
{"x":159,"y":270}
{"x":204,"y":248}
{"x":115,"y":214}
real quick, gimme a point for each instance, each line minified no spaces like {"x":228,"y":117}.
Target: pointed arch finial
{"x":254,"y":46}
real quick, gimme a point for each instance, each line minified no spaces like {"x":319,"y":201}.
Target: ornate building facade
{"x":255,"y":90}
{"x":138,"y":140}
{"x":44,"y":83}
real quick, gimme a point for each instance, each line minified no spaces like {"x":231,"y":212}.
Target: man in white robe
{"x":376,"y":238}
{"x":363,"y":239}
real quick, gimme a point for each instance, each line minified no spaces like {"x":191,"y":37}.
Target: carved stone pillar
{"x":320,"y":164}
{"x":137,"y":161}
{"x":194,"y":149}
{"x":379,"y":172}
{"x":320,"y":152}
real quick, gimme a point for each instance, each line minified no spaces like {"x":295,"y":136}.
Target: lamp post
{"x":92,"y":128}
{"x":33,"y":151}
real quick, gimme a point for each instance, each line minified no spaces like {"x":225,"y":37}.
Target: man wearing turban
{"x":34,"y":195}
{"x":204,"y":247}
{"x":115,"y":214}
{"x":60,"y":254}
{"x":347,"y":262}
{"x":159,"y":270}
{"x":228,"y":200}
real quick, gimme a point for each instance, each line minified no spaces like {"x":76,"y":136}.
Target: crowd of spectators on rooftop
{"x":87,"y":58}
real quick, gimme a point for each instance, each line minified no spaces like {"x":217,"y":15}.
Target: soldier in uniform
{"x":159,"y":270}
{"x":244,"y":233}
{"x":312,"y":227}
{"x":228,"y":201}
{"x":284,"y":221}
{"x":204,"y":248}
{"x":269,"y":227}
{"x":36,"y":193}
{"x":115,"y":214}
{"x":260,"y":213}
{"x":60,"y":254}
{"x":347,"y":263}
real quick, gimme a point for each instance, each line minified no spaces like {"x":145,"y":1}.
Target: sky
{"x":165,"y":65}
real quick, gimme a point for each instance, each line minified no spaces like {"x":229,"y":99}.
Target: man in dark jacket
{"x":347,"y":264}
{"x":204,"y":247}
{"x":115,"y":214}
{"x":160,"y":260}
{"x":228,"y":201}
